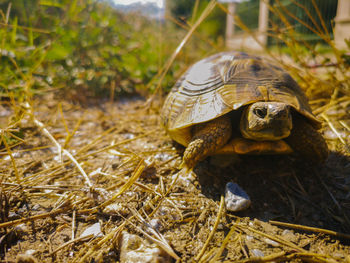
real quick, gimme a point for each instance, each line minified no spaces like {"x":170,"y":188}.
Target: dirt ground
{"x":131,"y":184}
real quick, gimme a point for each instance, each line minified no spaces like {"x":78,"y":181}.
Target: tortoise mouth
{"x":267,"y":133}
{"x":238,"y":145}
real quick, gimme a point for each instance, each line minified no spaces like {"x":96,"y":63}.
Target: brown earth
{"x":132,"y":165}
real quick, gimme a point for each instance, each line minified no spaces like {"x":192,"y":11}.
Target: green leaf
{"x":58,"y":52}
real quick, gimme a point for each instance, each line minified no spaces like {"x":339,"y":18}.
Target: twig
{"x":3,"y":140}
{"x":206,"y":244}
{"x":73,"y":224}
{"x":309,"y":228}
{"x":269,"y":258}
{"x":158,"y":237}
{"x":137,"y":172}
{"x":32,"y":218}
{"x":48,"y":187}
{"x":274,"y":238}
{"x":41,"y":216}
{"x":324,"y":116}
{"x":223,"y":245}
{"x":82,"y":256}
{"x":71,"y":242}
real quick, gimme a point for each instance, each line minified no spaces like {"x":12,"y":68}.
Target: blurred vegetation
{"x":75,"y":44}
{"x":87,"y":45}
{"x":248,"y":12}
{"x":304,"y":31}
{"x":303,"y":17}
{"x":300,"y":36}
{"x":189,"y":10}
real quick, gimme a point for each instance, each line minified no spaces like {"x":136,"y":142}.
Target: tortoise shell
{"x":225,"y":82}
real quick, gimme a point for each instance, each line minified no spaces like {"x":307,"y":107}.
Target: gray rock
{"x":235,"y":198}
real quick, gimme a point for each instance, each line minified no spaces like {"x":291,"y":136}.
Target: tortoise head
{"x":266,"y":121}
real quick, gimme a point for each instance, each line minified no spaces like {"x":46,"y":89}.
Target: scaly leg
{"x":206,"y":140}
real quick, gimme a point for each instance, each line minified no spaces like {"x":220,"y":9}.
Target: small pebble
{"x":271,"y":242}
{"x":286,"y":232}
{"x":112,"y":208}
{"x":163,"y":157}
{"x":94,"y":229}
{"x":330,"y":135}
{"x":235,"y":198}
{"x":129,"y":136}
{"x":249,"y":238}
{"x":27,"y":257}
{"x":23,"y":258}
{"x":220,"y":227}
{"x":155,"y":223}
{"x":257,"y":252}
{"x":134,"y":249}
{"x":185,"y":178}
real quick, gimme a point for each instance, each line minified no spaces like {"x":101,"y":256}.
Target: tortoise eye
{"x":260,"y":112}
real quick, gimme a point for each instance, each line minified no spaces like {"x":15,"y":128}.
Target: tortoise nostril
{"x":260,"y":112}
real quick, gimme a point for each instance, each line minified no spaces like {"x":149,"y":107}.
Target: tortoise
{"x":236,"y":103}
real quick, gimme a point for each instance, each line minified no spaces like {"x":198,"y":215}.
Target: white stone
{"x":257,"y":252}
{"x":235,"y":198}
{"x":271,"y":242}
{"x":134,"y":249}
{"x":94,"y":229}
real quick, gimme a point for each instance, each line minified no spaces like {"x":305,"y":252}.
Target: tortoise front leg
{"x":206,"y":140}
{"x":307,"y":142}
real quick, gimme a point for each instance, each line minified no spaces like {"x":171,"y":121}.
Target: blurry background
{"x":120,"y":46}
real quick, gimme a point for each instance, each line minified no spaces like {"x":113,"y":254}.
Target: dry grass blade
{"x":63,"y":119}
{"x":136,"y":174}
{"x":331,"y":103}
{"x":3,"y":140}
{"x":188,"y":27}
{"x":108,"y":240}
{"x":24,"y":150}
{"x":345,"y":125}
{"x":33,"y":218}
{"x":274,"y":238}
{"x":311,"y":229}
{"x":313,"y":257}
{"x":156,"y":237}
{"x":276,"y":257}
{"x":223,"y":245}
{"x":70,"y":135}
{"x":217,"y":221}
{"x":59,"y":148}
{"x":71,"y":242}
{"x":43,"y":215}
{"x":48,"y":187}
{"x":330,"y":124}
